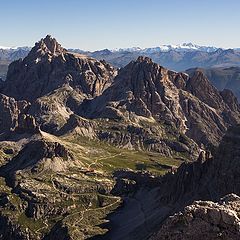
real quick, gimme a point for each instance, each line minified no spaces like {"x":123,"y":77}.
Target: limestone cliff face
{"x":189,"y":103}
{"x":48,"y":66}
{"x":144,"y":88}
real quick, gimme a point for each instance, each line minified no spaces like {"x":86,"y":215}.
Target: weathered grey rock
{"x":10,"y":109}
{"x":26,"y":124}
{"x":144,"y":89}
{"x":204,"y":220}
{"x":44,"y":155}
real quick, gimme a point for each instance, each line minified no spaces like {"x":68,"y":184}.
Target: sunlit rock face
{"x":49,"y":66}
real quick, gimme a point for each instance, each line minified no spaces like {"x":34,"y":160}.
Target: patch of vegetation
{"x":30,"y":223}
{"x":101,"y":155}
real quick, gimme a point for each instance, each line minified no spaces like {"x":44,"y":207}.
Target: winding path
{"x":82,"y":212}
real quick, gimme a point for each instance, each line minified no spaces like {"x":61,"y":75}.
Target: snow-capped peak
{"x":166,"y":48}
{"x":15,"y":48}
{"x":132,"y":49}
{"x":7,"y":48}
{"x":185,"y":47}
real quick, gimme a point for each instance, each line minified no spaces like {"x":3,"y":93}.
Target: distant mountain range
{"x":7,"y":55}
{"x":177,"y":60}
{"x":161,"y":48}
{"x":176,"y":57}
{"x":166,"y":48}
{"x":225,"y":62}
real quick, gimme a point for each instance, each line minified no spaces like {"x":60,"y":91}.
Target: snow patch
{"x":38,"y":60}
{"x":166,"y":48}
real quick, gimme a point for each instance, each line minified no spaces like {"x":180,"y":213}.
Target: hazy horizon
{"x":121,"y":24}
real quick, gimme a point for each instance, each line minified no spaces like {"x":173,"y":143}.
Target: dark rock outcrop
{"x":210,"y":179}
{"x":26,"y":124}
{"x":10,"y":109}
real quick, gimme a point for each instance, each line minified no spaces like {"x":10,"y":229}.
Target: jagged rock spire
{"x":48,"y":45}
{"x":49,"y":66}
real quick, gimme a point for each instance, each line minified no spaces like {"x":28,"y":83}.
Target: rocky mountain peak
{"x":146,"y":89}
{"x":48,"y":45}
{"x":200,"y":86}
{"x":141,"y":59}
{"x":49,"y":66}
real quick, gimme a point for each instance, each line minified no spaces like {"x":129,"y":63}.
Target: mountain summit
{"x":49,"y":66}
{"x":48,"y":45}
{"x":188,"y":103}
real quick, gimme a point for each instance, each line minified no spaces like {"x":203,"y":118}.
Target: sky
{"x":100,"y":24}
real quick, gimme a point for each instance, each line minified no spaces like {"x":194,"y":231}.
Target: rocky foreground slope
{"x":204,"y":220}
{"x":81,"y":142}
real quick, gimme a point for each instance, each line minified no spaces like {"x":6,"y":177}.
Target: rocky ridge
{"x":144,"y":90}
{"x":207,"y":179}
{"x":223,"y":78}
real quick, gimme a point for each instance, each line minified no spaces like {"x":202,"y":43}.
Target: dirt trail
{"x":102,"y":158}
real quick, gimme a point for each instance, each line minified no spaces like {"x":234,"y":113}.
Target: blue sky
{"x":99,"y":24}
